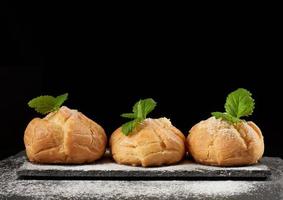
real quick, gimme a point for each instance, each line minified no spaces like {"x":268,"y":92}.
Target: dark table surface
{"x":13,"y":188}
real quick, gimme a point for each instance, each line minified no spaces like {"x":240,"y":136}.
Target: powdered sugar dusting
{"x":221,"y":188}
{"x":163,"y":121}
{"x":158,"y":189}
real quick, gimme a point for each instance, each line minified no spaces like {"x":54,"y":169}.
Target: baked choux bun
{"x":154,"y":142}
{"x":64,"y":136}
{"x":218,"y":142}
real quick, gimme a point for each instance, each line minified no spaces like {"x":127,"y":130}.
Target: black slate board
{"x":107,"y":168}
{"x":11,"y":187}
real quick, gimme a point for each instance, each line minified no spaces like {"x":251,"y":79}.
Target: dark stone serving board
{"x":106,"y":168}
{"x":13,"y":187}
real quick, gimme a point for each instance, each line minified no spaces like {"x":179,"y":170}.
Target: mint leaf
{"x":46,"y":104}
{"x":225,"y":116}
{"x":59,"y":100}
{"x":42,"y":104}
{"x":140,"y":110}
{"x":148,"y":105}
{"x":129,"y":115}
{"x":144,"y":107}
{"x":128,"y":127}
{"x":240,"y":103}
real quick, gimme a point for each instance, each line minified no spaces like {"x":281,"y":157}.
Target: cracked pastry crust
{"x":216,"y":142}
{"x":154,"y":142}
{"x":65,"y":136}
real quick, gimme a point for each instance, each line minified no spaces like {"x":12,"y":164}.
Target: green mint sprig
{"x":46,"y":104}
{"x":239,"y":103}
{"x":140,"y":110}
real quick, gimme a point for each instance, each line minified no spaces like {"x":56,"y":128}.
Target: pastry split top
{"x":154,"y":142}
{"x":217,"y":142}
{"x":65,"y":136}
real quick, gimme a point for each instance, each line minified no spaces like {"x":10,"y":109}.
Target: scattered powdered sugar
{"x":221,"y":188}
{"x":157,"y":189}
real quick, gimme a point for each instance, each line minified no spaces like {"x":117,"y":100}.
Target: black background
{"x":106,"y":62}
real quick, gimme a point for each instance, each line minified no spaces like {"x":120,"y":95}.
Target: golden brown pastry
{"x":217,"y":142}
{"x":65,"y":136}
{"x":154,"y":142}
